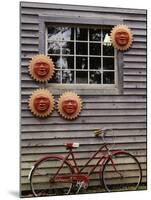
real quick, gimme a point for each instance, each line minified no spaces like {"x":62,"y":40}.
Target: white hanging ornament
{"x":107,"y":40}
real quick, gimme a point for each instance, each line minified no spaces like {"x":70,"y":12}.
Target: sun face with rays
{"x":41,"y":103}
{"x":69,"y":105}
{"x":121,"y":37}
{"x":41,"y":68}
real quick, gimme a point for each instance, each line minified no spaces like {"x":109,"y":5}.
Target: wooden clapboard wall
{"x":125,"y":112}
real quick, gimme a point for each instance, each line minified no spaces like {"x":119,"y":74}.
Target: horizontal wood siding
{"x":126,"y":112}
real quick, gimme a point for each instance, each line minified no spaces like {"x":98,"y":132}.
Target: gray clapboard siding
{"x":105,"y":98}
{"x":90,"y":140}
{"x":78,"y":134}
{"x":89,"y":119}
{"x":41,"y":127}
{"x":126,"y":112}
{"x":63,"y":7}
{"x":85,"y":148}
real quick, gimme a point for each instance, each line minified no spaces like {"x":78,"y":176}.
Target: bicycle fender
{"x":119,"y":151}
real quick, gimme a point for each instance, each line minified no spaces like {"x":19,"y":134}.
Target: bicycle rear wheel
{"x":42,"y":177}
{"x":121,"y":172}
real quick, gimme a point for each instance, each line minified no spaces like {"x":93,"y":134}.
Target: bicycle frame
{"x":107,"y":154}
{"x":77,"y":174}
{"x":100,"y":161}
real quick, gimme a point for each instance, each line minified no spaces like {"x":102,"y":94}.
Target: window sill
{"x":84,"y":89}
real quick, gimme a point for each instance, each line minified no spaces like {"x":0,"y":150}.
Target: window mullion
{"x":88,"y":56}
{"x":101,"y":56}
{"x":75,"y":56}
{"x":61,"y":72}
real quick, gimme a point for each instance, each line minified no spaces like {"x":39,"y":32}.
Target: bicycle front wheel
{"x":42,"y":177}
{"x":121,"y":172}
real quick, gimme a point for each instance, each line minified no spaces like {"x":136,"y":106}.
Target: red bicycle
{"x":60,"y":175}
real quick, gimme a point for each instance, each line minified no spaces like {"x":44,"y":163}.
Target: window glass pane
{"x":95,"y":34}
{"x":56,"y":61}
{"x":82,"y":77}
{"x":63,"y":62}
{"x":108,"y":63}
{"x":95,"y":77}
{"x":67,"y":62}
{"x":67,"y":47}
{"x":54,"y":47}
{"x":59,"y":63}
{"x":95,"y":49}
{"x":81,"y":34}
{"x":82,"y":63}
{"x":56,"y":77}
{"x":95,"y":63}
{"x":81,"y":48}
{"x":58,"y":33}
{"x":108,"y":50}
{"x":67,"y":76}
{"x":108,"y":78}
{"x":105,"y":31}
{"x":54,"y":33}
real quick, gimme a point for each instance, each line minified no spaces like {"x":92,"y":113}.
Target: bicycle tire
{"x":43,"y":171}
{"x":126,"y":177}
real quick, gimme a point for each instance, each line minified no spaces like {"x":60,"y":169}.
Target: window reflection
{"x":82,"y":77}
{"x":95,"y":35}
{"x":108,"y":50}
{"x":95,"y":49}
{"x":68,"y":49}
{"x":82,"y":63}
{"x":108,"y":63}
{"x":81,"y":34}
{"x":95,"y":63}
{"x":67,"y":76}
{"x":56,"y":78}
{"x":108,"y":77}
{"x":95,"y":77}
{"x":58,"y":33}
{"x":81,"y":48}
{"x":80,"y":56}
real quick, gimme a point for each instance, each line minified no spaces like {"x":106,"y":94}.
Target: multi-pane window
{"x":80,"y":55}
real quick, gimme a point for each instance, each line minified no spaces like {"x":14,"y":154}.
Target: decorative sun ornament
{"x":41,"y":103}
{"x":121,"y":37}
{"x":69,"y":105}
{"x":41,"y":68}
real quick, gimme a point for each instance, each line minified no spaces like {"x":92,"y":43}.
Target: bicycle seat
{"x":72,"y":145}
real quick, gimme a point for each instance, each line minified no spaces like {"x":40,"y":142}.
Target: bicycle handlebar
{"x":101,"y":132}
